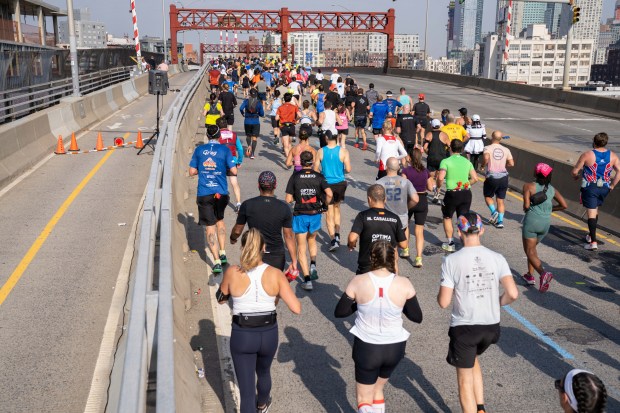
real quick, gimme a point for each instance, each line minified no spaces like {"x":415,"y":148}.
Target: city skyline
{"x":410,"y":16}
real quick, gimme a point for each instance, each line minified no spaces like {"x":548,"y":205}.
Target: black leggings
{"x":474,"y":159}
{"x":376,"y":360}
{"x":253,"y":350}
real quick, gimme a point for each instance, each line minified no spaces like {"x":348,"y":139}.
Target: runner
{"x":400,"y":197}
{"x":378,"y":114}
{"x":453,"y":130}
{"x":394,"y":107}
{"x":380,"y":297}
{"x":388,"y":146}
{"x":422,"y":114}
{"x":463,"y":120}
{"x":254,"y":287}
{"x":287,"y":116}
{"x":334,"y":77}
{"x":436,"y":146}
{"x":360,"y":118}
{"x":404,"y":99}
{"x":308,"y":118}
{"x":229,"y":103}
{"x":210,"y":162}
{"x":596,"y":183}
{"x":372,"y":225}
{"x":212,"y":110}
{"x":459,"y":175}
{"x":214,"y":79}
{"x":475,"y":144}
{"x":421,"y":179}
{"x":496,"y":158}
{"x":245,"y":83}
{"x":252,"y":110}
{"x":474,"y":324}
{"x":340,"y":88}
{"x":333,"y":162}
{"x":272,"y":226}
{"x":275,"y":104}
{"x":406,"y":129}
{"x":311,"y":193}
{"x":294,"y":156}
{"x":262,"y":86}
{"x":343,"y":126}
{"x":320,"y":100}
{"x":327,"y":122}
{"x":372,"y":95}
{"x":230,"y":139}
{"x":538,"y":205}
{"x":581,"y":391}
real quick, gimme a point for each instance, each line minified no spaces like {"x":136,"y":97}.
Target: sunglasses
{"x":559,"y":385}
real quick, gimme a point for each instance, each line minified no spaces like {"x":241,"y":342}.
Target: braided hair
{"x":590,"y":393}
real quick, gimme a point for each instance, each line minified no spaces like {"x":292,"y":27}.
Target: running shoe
{"x":337,"y":238}
{"x":499,"y":224}
{"x":237,"y":206}
{"x":223,"y":259}
{"x":404,"y":253}
{"x":588,"y":238}
{"x":418,"y":262}
{"x":591,"y":246}
{"x":252,"y":156}
{"x":357,"y":145}
{"x":494,"y":218}
{"x":545,"y":280}
{"x":365,"y":147}
{"x":276,"y":141}
{"x":529,"y":278}
{"x":217,"y":269}
{"x":265,"y":408}
{"x":448,"y":246}
{"x":334,"y":245}
{"x":307,"y":285}
{"x":314,"y":275}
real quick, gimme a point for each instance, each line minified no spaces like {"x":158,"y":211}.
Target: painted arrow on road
{"x":115,"y":126}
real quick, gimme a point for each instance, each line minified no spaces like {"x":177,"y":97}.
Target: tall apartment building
{"x":450,"y":27}
{"x":406,"y":43}
{"x":588,"y":26}
{"x":344,"y":41}
{"x":89,"y":34}
{"x":467,"y":24}
{"x":307,"y":46}
{"x":538,"y":59}
{"x":442,"y":65}
{"x":377,"y":43}
{"x":526,"y":13}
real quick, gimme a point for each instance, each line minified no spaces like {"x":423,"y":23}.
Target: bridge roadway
{"x":52,"y":322}
{"x":575,"y":324}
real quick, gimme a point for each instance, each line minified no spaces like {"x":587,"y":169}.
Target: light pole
{"x":75,"y":80}
{"x":350,"y":33}
{"x":426,"y":36}
{"x":163,"y":16}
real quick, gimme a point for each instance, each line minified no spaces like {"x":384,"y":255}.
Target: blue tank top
{"x":320,"y":102}
{"x":331,"y":165}
{"x":601,"y":169}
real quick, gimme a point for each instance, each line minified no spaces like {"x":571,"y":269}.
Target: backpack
{"x":229,"y":139}
{"x":213,"y":110}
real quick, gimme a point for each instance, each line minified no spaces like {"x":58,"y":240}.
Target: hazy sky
{"x":410,"y":15}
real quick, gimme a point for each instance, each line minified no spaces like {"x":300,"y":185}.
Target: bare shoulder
{"x":403,"y":283}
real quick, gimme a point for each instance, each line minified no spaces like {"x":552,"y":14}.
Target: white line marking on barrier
{"x":98,"y":394}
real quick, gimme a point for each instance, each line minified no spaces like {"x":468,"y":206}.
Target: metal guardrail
{"x":17,"y":103}
{"x":150,"y":308}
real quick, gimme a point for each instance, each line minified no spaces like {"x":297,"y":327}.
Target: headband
{"x":465,"y":226}
{"x":568,"y":387}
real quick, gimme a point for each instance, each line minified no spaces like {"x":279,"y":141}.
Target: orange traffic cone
{"x":60,"y":147}
{"x":73,"y":147}
{"x":99,"y":146}
{"x":139,"y":143}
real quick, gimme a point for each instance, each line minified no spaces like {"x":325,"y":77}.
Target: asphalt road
{"x":564,"y":129}
{"x":52,"y":322}
{"x":575,"y":324}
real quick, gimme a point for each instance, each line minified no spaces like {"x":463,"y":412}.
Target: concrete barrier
{"x":28,"y":140}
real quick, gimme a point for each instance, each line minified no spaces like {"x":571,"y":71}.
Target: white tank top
{"x":329,"y":122}
{"x":380,"y":321}
{"x":255,"y":299}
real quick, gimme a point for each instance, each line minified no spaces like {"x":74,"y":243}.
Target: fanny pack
{"x":255,"y":319}
{"x":539,"y":197}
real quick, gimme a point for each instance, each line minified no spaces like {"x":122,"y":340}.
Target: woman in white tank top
{"x":255,"y":288}
{"x":380,"y":297}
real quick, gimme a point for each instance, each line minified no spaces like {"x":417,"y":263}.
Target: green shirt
{"x":457,"y":170}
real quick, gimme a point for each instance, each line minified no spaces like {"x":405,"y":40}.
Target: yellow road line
{"x":36,"y":246}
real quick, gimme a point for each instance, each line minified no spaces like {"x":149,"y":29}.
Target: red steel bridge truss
{"x":283,"y":21}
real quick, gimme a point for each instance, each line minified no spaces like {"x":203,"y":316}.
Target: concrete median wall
{"x":26,"y":141}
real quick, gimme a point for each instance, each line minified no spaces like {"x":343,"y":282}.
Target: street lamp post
{"x":163,"y":16}
{"x":75,"y":80}
{"x":426,"y":36}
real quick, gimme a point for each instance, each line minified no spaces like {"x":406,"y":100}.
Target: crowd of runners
{"x":422,"y":156}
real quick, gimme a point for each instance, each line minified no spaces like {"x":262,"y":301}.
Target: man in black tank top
{"x":436,"y":144}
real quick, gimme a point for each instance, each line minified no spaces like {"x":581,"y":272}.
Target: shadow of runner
{"x":195,"y":235}
{"x":317,"y":369}
{"x":406,"y":374}
{"x":206,"y":343}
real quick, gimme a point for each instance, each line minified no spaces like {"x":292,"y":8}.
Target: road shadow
{"x":605,"y":358}
{"x":205,"y":342}
{"x":195,"y":235}
{"x":406,"y":374}
{"x":317,"y":369}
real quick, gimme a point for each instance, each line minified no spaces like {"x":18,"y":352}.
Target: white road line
{"x":556,"y":119}
{"x":98,"y":394}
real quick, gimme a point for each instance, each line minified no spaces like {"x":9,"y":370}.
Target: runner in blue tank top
{"x":596,"y":181}
{"x":333,"y":162}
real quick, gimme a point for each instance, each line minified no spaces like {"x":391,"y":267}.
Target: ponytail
{"x":252,"y":245}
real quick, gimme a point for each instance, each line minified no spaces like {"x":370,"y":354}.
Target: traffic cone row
{"x":73,"y":147}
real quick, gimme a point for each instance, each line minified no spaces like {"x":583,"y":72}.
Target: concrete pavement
{"x":543,"y":336}
{"x":52,"y":321}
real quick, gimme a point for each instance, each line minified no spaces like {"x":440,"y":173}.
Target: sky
{"x":410,"y":15}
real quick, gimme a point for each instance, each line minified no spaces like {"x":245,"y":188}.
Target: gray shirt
{"x":474,"y":274}
{"x":398,"y":190}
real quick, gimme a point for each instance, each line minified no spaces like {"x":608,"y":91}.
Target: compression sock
{"x":378,"y":406}
{"x":492,"y":208}
{"x":306,"y":278}
{"x":501,"y":217}
{"x":365,"y":408}
{"x":480,"y":408}
{"x":248,"y":140}
{"x":592,"y":228}
{"x":313,"y":262}
{"x":253,"y":147}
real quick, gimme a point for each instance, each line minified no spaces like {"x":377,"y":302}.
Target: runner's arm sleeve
{"x":412,"y":309}
{"x":346,"y":306}
{"x":239,"y":152}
